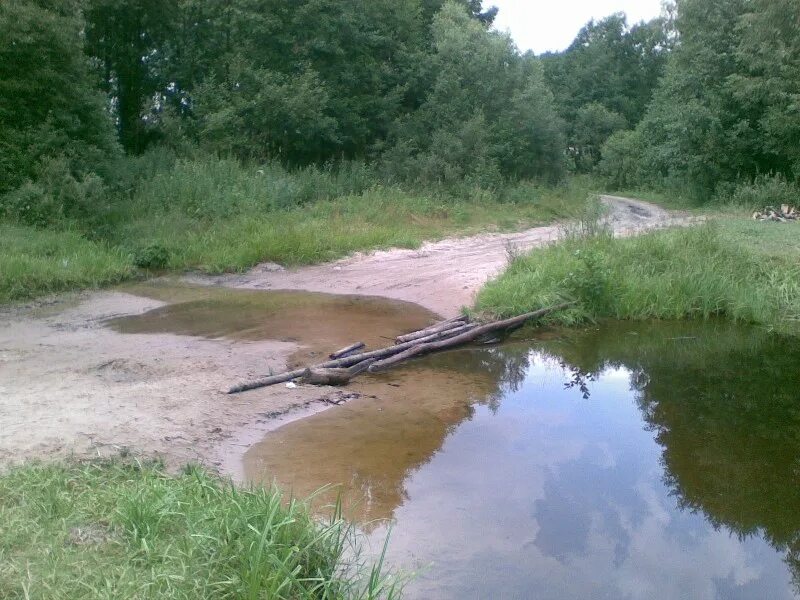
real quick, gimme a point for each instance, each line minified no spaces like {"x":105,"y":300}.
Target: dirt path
{"x":442,"y":276}
{"x":69,"y":384}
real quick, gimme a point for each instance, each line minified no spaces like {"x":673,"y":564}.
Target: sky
{"x":543,"y":25}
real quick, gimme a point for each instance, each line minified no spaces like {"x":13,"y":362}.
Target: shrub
{"x":766,"y":190}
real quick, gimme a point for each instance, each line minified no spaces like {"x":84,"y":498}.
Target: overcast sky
{"x":542,"y":25}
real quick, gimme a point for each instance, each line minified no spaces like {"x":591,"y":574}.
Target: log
{"x":317,"y":376}
{"x":346,"y":350}
{"x":468,"y":336}
{"x":443,"y":326}
{"x":346,"y":361}
{"x":389,"y":350}
{"x":265,"y":381}
{"x":377,"y":360}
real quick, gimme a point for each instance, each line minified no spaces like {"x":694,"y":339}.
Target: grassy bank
{"x":34,"y":261}
{"x":124,"y":530}
{"x":220,"y":215}
{"x":732,"y":267}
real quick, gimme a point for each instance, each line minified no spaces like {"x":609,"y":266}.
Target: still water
{"x":640,"y":461}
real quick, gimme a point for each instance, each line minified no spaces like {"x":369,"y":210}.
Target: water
{"x":319,"y":323}
{"x":626,"y":461}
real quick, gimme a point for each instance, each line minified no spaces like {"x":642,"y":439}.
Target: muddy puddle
{"x":625,"y":461}
{"x":319,"y":323}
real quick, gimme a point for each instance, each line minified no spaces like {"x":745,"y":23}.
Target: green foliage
{"x":56,"y":196}
{"x":151,"y":256}
{"x":218,"y":215}
{"x":128,"y":530}
{"x":725,"y":111}
{"x":488,"y":114}
{"x":594,"y":124}
{"x":604,"y":81}
{"x":35,"y":262}
{"x":49,"y":104}
{"x":726,"y":269}
{"x":132,"y":42}
{"x":620,"y":164}
{"x":764,"y":191}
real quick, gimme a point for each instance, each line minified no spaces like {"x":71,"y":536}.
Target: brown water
{"x":321,"y":323}
{"x":627,"y":461}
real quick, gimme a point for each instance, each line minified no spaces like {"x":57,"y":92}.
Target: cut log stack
{"x":786,"y":213}
{"x":348,"y":362}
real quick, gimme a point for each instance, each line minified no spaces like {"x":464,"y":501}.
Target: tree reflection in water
{"x":724,"y":403}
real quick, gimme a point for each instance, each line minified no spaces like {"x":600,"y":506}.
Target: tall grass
{"x":34,"y":261}
{"x":712,"y":270}
{"x":221,"y":215}
{"x":127,"y":530}
{"x":217,"y":215}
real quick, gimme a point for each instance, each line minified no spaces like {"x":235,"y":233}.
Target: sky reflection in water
{"x":676,"y":478}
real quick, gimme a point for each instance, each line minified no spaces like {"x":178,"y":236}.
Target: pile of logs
{"x":348,"y":362}
{"x":786,"y":213}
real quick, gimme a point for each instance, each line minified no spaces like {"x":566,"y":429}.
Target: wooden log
{"x":347,"y":361}
{"x":265,"y":381}
{"x":346,"y":350}
{"x":317,"y":376}
{"x":377,"y":360}
{"x":468,"y":336}
{"x":390,"y":350}
{"x":443,"y":326}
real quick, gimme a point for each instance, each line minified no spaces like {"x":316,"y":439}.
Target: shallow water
{"x":626,"y":461}
{"x":321,"y":323}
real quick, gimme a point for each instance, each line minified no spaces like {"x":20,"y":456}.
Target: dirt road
{"x":442,"y":276}
{"x":70,"y":385}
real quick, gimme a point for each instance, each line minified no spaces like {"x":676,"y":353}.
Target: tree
{"x":605,"y":80}
{"x":723,"y":111}
{"x":488,"y":112}
{"x":593,"y":125}
{"x":49,"y":103}
{"x":129,"y":39}
{"x":768,"y":85}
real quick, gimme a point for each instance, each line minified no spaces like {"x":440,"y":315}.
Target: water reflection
{"x":626,"y":461}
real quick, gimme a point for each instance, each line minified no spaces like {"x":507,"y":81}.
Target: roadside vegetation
{"x":218,"y":215}
{"x":123,"y":529}
{"x":730,"y":267}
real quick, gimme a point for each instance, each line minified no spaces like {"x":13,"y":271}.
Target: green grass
{"x":219,"y":215}
{"x":36,"y":262}
{"x":120,"y":529}
{"x":329,"y":229}
{"x":731,"y":267}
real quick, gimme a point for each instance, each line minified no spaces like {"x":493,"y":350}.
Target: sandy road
{"x":442,"y":276}
{"x":69,"y":385}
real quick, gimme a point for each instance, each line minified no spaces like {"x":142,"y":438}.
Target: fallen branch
{"x":390,"y":350}
{"x":425,"y":348}
{"x":320,"y":376}
{"x":340,"y":370}
{"x":265,"y":381}
{"x":346,"y":350}
{"x":443,"y":326}
{"x":347,"y":361}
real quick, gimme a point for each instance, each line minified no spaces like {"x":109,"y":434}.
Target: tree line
{"x":424,"y":91}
